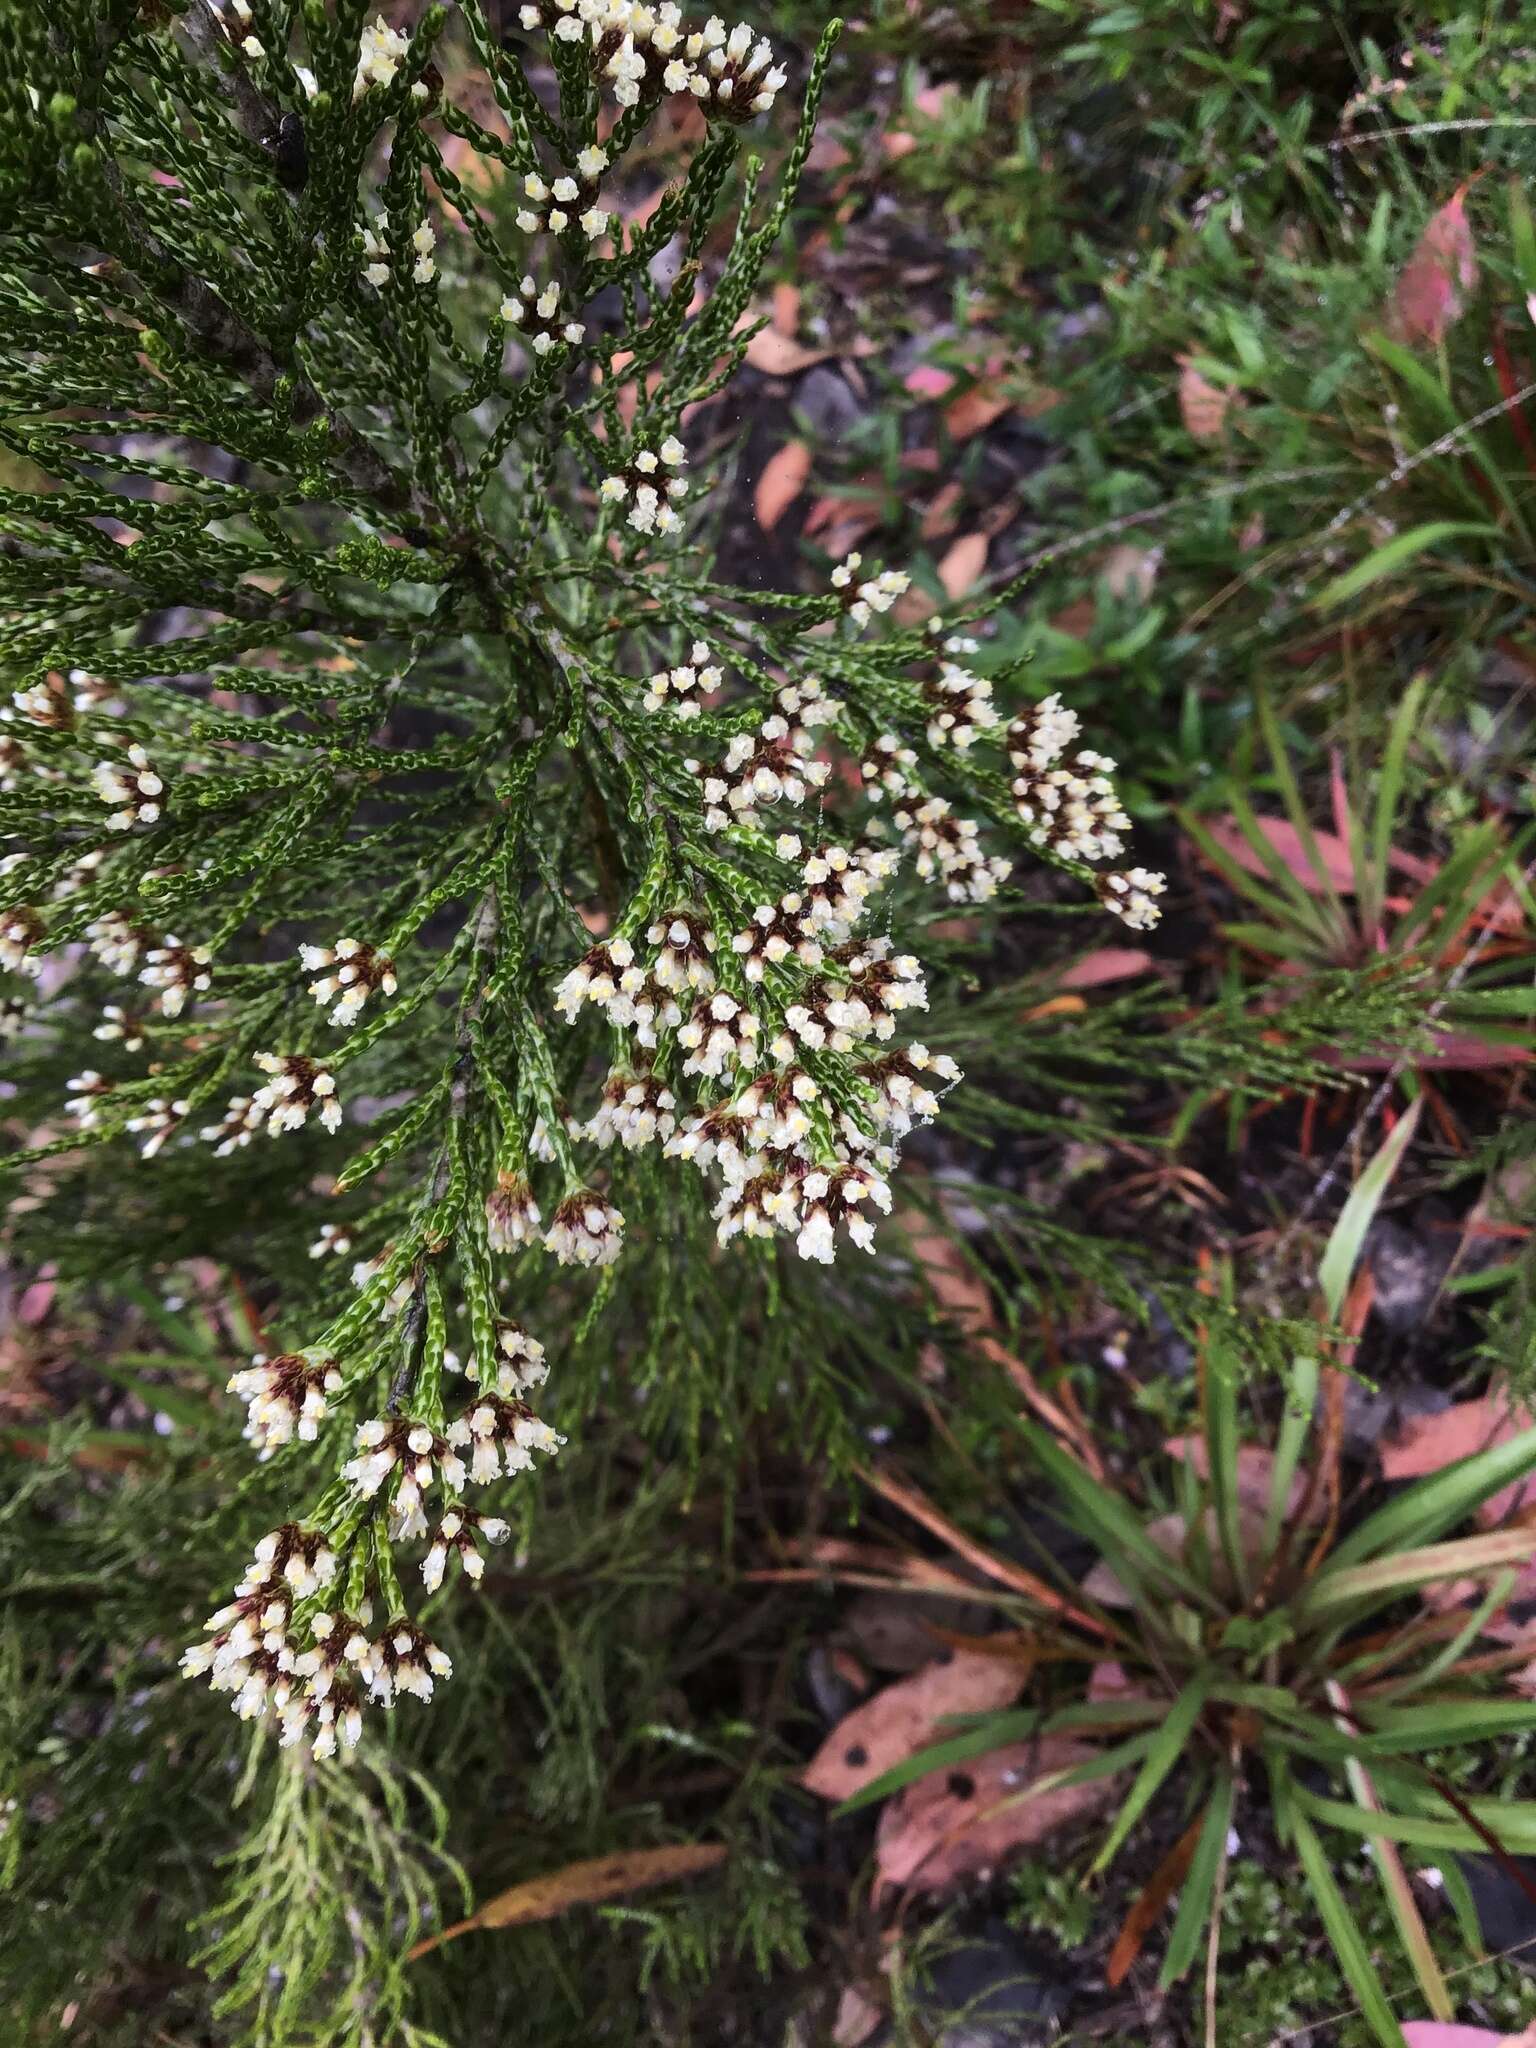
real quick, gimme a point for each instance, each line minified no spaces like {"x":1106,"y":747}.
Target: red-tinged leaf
{"x":974,"y":410}
{"x":1203,"y":406}
{"x":963,"y":563}
{"x":1438,"y":277}
{"x":929,"y":381}
{"x":904,"y":1718}
{"x":953,"y":1824}
{"x":1289,"y":846}
{"x":783,"y":479}
{"x":1105,"y":964}
{"x":781,"y":355}
{"x":897,"y":143}
{"x":1442,"y":2034}
{"x":786,"y":310}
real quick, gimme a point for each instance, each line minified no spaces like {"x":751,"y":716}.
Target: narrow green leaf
{"x":1194,"y":1911}
{"x":1431,"y":1506}
{"x":1355,"y":1218}
{"x":1165,"y":1748}
{"x":1343,"y":1932}
{"x":1396,"y":554}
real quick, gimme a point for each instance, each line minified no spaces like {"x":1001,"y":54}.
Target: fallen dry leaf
{"x":974,"y":410}
{"x":1438,"y":277}
{"x":780,"y":355}
{"x":583,"y":1884}
{"x":783,"y":479}
{"x":963,"y":563}
{"x":1428,"y":1443}
{"x":955,"y":1823}
{"x":1255,"y":1470}
{"x":857,"y":2018}
{"x":1105,"y":964}
{"x":904,"y":1718}
{"x":1203,"y":406}
{"x":1288,"y":844}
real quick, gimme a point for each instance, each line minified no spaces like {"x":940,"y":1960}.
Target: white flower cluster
{"x":133,"y":786}
{"x":551,"y":207}
{"x":177,"y":971}
{"x":642,"y":51}
{"x":159,"y":1120}
{"x":381,"y":53}
{"x":1068,"y":802}
{"x":653,"y":493}
{"x":586,"y":1230}
{"x":20,"y":931}
{"x":351,"y":971}
{"x":874,"y":594}
{"x":537,"y":314}
{"x":286,"y":1398}
{"x":297,"y":1086}
{"x":681,"y":689}
{"x":84,"y":1098}
{"x":948,"y":850}
{"x":960,"y":704}
{"x":423,"y":260}
{"x":311,"y":1672}
{"x":773,"y":765}
{"x":511,"y":1214}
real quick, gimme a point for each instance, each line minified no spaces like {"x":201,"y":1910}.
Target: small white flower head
{"x":1132,"y":893}
{"x":501,"y":1435}
{"x":120,"y":1027}
{"x":636,"y":1110}
{"x":348,"y":974}
{"x":159,"y":1120}
{"x":334,"y":1241}
{"x":552,"y":207}
{"x":720,"y":1034}
{"x":887,"y":769}
{"x":586,"y":1231}
{"x":511,"y":1214}
{"x":650,"y":487}
{"x":599,"y":977}
{"x":772,"y":766}
{"x":732,"y":76}
{"x":132,"y":786}
{"x":459,"y":1534}
{"x":238,"y":1125}
{"x":50,"y":704}
{"x":405,"y":1659}
{"x":178,"y":972}
{"x":948,"y":850}
{"x":20,"y":930}
{"x":682,"y":689}
{"x":383,"y":50}
{"x":117,"y":941}
{"x":414,"y":1454}
{"x":296,"y":1085}
{"x":1039,"y":737}
{"x":423,"y":261}
{"x":294,"y":1557}
{"x":686,"y":950}
{"x":13,"y":1017}
{"x":286,"y":1398}
{"x":908,"y":1086}
{"x":535,"y":312}
{"x":960,"y":706}
{"x":376,"y":250}
{"x":85,"y":1096}
{"x":836,"y":1196}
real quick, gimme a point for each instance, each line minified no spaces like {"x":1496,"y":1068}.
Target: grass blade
{"x":1195,"y":1898}
{"x":1164,"y":1749}
{"x":1345,"y":1936}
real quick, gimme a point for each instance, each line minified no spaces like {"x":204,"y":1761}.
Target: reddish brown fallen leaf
{"x":1203,"y":406}
{"x":1438,"y":277}
{"x":783,"y":479}
{"x":780,"y":355}
{"x":897,"y":143}
{"x":1154,"y":1896}
{"x":904,"y":1718}
{"x":857,"y":2018}
{"x":1130,"y":571}
{"x":587,"y":1883}
{"x":1104,"y":964}
{"x":963,"y":563}
{"x":786,"y":310}
{"x":929,"y":381}
{"x":974,"y":410}
{"x":1255,"y":1470}
{"x":955,"y":1823}
{"x":1428,"y":1443}
{"x":939,"y":517}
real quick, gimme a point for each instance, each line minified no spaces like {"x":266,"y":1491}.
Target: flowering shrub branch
{"x":373,"y":711}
